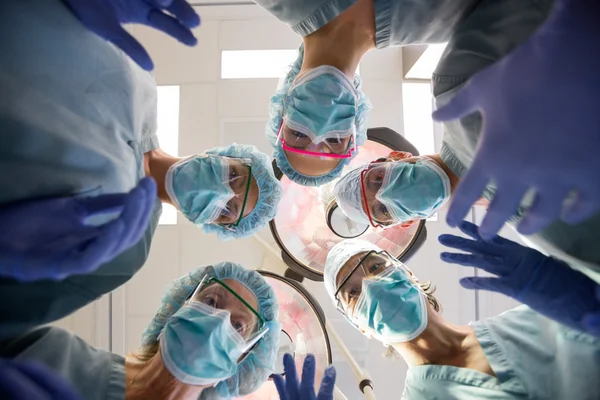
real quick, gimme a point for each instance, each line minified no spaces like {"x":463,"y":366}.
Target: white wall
{"x":217,"y":112}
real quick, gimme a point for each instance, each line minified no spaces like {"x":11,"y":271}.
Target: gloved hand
{"x":540,"y":125}
{"x":545,"y":284}
{"x":50,"y":238}
{"x":20,"y":380}
{"x":289,"y":389}
{"x":104,"y":18}
{"x":592,"y":320}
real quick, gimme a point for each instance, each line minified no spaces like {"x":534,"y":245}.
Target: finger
{"x":327,"y":384}
{"x":160,"y":3}
{"x":581,"y":209}
{"x":53,"y":384}
{"x":138,"y":210}
{"x":487,"y":263}
{"x":543,"y":211}
{"x":280,"y":385}
{"x":592,"y":323}
{"x":461,"y":105}
{"x":291,"y":377}
{"x":15,"y":384}
{"x":185,"y":13}
{"x":123,"y":40}
{"x":503,"y":206}
{"x":307,"y":384}
{"x":171,"y":27}
{"x":467,"y":193}
{"x":489,"y":283}
{"x":469,"y":229}
{"x":464,"y":244}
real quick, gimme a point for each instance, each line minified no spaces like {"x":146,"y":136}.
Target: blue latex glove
{"x":545,"y":284}
{"x":290,"y":389}
{"x":20,"y":380}
{"x":105,"y":17}
{"x":540,"y":125}
{"x":592,"y":320}
{"x":51,"y":238}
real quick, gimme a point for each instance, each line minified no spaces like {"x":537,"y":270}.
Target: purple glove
{"x":23,"y":380}
{"x":50,"y":238}
{"x":290,"y":389}
{"x":545,"y":284}
{"x":105,"y":17}
{"x":540,"y":125}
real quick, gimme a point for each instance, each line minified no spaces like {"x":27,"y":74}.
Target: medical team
{"x":85,"y":177}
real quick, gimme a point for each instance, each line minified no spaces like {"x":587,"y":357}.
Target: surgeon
{"x":78,"y":119}
{"x":318,"y":113}
{"x":215,"y":336}
{"x":517,"y":354}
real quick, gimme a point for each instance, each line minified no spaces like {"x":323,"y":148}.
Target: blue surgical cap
{"x":348,"y":196}
{"x":269,"y":192}
{"x":276,"y":118}
{"x":259,"y":364}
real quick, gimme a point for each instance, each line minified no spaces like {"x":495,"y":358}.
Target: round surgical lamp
{"x":302,"y":331}
{"x":309,"y":222}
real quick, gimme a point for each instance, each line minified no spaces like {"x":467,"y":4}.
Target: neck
{"x":156,"y":165}
{"x":150,"y":380}
{"x":342,"y":42}
{"x":439,"y":344}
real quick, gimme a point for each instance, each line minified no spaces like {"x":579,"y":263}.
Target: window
{"x":168,"y":136}
{"x":255,"y":64}
{"x":418,"y":126}
{"x":251,"y":64}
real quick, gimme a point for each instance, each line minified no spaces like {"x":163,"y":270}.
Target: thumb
{"x":460,"y":105}
{"x":327,"y":384}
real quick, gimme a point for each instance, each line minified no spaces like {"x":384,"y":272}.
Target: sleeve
{"x":491,"y":31}
{"x":149,"y":106}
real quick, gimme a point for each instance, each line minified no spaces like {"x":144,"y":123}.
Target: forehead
{"x":243,"y":292}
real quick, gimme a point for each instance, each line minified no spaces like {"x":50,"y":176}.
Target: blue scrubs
{"x":532,"y":357}
{"x":76,"y":116}
{"x":486,"y":35}
{"x":397,"y":22}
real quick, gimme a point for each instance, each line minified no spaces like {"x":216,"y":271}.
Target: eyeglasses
{"x":327,"y":149}
{"x":231,"y":226}
{"x":363,"y":194}
{"x":243,"y":317}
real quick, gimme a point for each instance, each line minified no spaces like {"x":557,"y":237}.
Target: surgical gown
{"x":491,"y":31}
{"x":532,"y":357}
{"x":95,"y":374}
{"x":397,"y":22}
{"x":76,"y":117}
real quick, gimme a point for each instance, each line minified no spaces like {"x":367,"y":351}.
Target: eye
{"x":210,"y":300}
{"x":226,"y":212}
{"x":376,"y":268}
{"x":233,"y":173}
{"x":383,"y":211}
{"x":334,"y":140}
{"x":299,"y":135}
{"x":379,"y":177}
{"x":239,"y":326}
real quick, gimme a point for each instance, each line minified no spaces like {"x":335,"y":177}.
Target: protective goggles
{"x":298,"y":140}
{"x":373,"y":265}
{"x":244,"y":318}
{"x":373,"y":179}
{"x":239,"y":180}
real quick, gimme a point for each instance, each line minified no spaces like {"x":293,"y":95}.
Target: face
{"x":359,"y":267}
{"x":371,"y":182}
{"x":238,"y":181}
{"x":242,"y":318}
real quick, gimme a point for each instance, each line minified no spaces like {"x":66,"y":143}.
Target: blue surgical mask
{"x":391,"y":307}
{"x":322,"y":104}
{"x":413,"y":191}
{"x":199,"y":187}
{"x":199,"y":346}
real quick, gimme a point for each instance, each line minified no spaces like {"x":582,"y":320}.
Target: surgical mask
{"x":411,"y":191}
{"x":391,"y":307}
{"x":199,"y":187}
{"x":322,"y":104}
{"x":199,"y":346}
